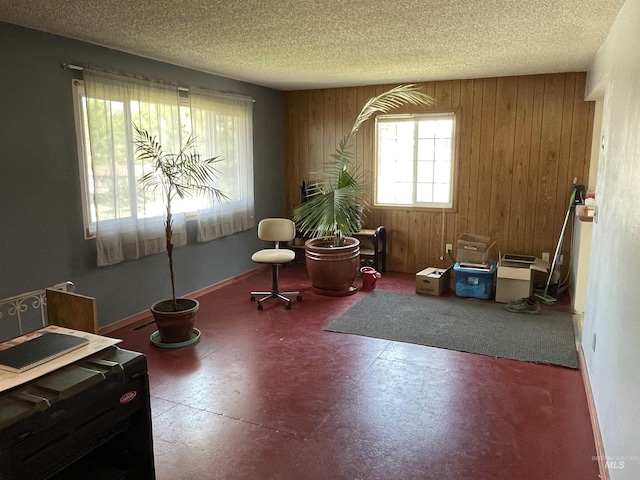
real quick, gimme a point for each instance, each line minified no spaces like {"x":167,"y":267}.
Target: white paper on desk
{"x":96,"y":343}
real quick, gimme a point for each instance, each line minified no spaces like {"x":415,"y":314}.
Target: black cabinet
{"x":90,"y":420}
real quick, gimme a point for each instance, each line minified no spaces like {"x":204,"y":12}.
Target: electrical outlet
{"x":545,"y":256}
{"x":449,"y":248}
{"x":560,"y":259}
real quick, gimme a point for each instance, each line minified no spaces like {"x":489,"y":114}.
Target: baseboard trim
{"x":595,"y":425}
{"x":125,"y":322}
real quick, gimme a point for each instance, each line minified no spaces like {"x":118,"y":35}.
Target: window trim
{"x":455,"y":146}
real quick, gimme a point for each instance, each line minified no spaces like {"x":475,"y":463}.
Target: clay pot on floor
{"x":175,"y":326}
{"x":333,"y":270}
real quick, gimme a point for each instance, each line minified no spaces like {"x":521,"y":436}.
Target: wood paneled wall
{"x":522,"y":140}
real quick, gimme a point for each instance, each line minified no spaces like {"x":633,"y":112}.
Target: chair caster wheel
{"x":253,"y":299}
{"x":299,"y":298}
{"x":288,"y":306}
{"x":259,"y":306}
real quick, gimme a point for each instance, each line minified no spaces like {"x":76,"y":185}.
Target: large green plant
{"x":335,"y":200}
{"x":180,"y":175}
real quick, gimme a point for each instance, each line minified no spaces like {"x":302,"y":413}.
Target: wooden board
{"x":71,"y":310}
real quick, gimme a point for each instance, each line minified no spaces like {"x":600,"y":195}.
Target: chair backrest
{"x":276,"y":230}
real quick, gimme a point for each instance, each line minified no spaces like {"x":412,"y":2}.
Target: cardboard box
{"x":515,"y":278}
{"x":473,"y":249}
{"x":433,"y":281}
{"x":585,"y":212}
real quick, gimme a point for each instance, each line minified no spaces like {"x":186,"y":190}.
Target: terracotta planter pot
{"x":333,"y":270}
{"x":175,"y":326}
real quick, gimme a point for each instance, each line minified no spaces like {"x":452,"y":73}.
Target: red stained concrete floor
{"x":270,"y":395}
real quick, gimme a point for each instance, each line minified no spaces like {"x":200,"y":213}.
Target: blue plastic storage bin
{"x":475,"y":282}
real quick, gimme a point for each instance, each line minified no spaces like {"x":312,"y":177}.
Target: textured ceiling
{"x":300,"y":44}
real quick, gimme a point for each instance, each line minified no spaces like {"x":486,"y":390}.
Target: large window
{"x":127,"y":219}
{"x":415,"y":160}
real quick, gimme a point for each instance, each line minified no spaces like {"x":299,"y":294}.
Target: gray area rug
{"x":465,"y":325}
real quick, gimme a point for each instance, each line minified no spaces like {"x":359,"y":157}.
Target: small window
{"x":415,"y":160}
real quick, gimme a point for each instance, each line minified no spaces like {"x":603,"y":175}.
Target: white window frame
{"x":415,"y":118}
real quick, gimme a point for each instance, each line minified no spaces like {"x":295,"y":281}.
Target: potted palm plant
{"x":333,"y":211}
{"x":179,"y":175}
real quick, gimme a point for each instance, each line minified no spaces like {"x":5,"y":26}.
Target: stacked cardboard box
{"x":474,"y":271}
{"x":515,"y":276}
{"x":473,"y":249}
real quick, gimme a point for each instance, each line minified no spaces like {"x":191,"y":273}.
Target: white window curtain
{"x":125,"y":230}
{"x":130,"y":220}
{"x":223,"y":126}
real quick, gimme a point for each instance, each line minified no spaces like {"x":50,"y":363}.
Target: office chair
{"x":275,"y":230}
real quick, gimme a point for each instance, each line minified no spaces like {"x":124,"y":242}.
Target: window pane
{"x":163,"y":121}
{"x":394,"y":186}
{"x":443,"y":128}
{"x":108,"y":159}
{"x":442,"y":172}
{"x":425,"y":172}
{"x":441,"y":193}
{"x":395,"y":163}
{"x":426,"y":150}
{"x":426,"y":129}
{"x":424,"y":192}
{"x":398,"y":192}
{"x":442,"y":149}
{"x":420,"y":146}
{"x":388,"y":148}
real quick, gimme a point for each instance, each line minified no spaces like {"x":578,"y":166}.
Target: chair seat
{"x":273,"y":255}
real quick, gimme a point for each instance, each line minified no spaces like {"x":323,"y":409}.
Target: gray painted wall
{"x":41,"y":239}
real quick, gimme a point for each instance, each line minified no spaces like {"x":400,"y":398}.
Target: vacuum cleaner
{"x":545,"y":296}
